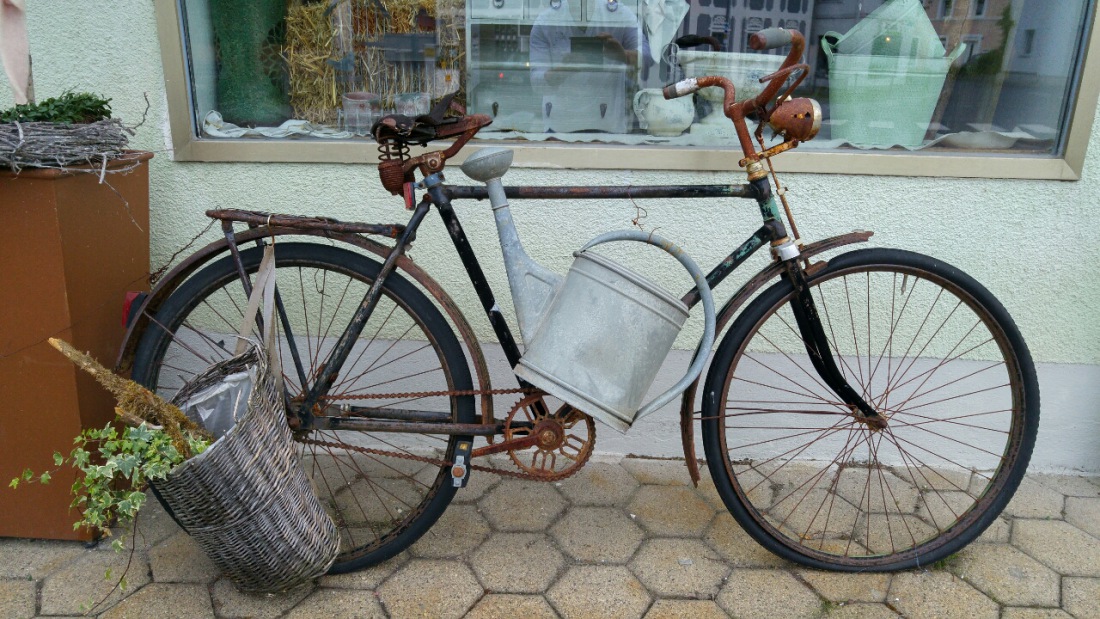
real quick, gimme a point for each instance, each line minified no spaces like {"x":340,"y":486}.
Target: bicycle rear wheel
{"x":385,"y":489}
{"x":932,"y":351}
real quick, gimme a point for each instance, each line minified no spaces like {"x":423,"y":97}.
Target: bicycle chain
{"x":429,"y":394}
{"x":527,"y":391}
{"x":407,"y":456}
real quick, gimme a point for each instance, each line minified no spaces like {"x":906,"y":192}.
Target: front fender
{"x":755,"y":283}
{"x":172,"y":280}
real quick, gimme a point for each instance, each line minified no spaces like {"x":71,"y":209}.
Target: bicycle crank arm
{"x":817,"y":348}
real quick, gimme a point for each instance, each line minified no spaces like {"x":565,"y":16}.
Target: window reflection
{"x":985,"y":74}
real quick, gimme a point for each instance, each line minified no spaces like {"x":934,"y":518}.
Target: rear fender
{"x":172,"y":280}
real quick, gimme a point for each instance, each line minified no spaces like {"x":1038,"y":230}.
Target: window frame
{"x":187,"y":147}
{"x":945,"y":8}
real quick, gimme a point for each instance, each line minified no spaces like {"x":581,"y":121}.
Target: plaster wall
{"x":1035,"y":244}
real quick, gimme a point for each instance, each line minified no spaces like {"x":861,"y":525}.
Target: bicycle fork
{"x":817,"y":347}
{"x":804,"y":308}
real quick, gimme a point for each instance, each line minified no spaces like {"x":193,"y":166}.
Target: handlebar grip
{"x":770,"y":39}
{"x":681,"y":88}
{"x":692,"y":40}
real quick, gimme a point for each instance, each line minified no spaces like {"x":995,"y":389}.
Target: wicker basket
{"x":246,"y":499}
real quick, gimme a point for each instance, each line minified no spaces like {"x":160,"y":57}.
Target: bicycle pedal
{"x":460,"y":470}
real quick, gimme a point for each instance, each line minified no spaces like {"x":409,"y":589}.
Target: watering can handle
{"x":704,"y":294}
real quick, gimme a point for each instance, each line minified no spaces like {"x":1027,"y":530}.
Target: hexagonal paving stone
{"x":1034,"y":500}
{"x":1035,"y":613}
{"x":458,"y":531}
{"x":26,"y":558}
{"x":859,"y":611}
{"x":82,"y":583}
{"x":597,"y":535}
{"x":599,"y":483}
{"x":515,"y":505}
{"x":1081,"y":596}
{"x":876,"y":489}
{"x":707,"y":490}
{"x":1007,"y":575}
{"x":182,"y":601}
{"x":1059,"y":545}
{"x":763,"y":594}
{"x":938,"y":595}
{"x":936,"y":478}
{"x":512,"y":606}
{"x":424,"y":588}
{"x":517,"y":562}
{"x":842,"y":587}
{"x":685,"y":609}
{"x":229,"y":602}
{"x":727,"y":537}
{"x":941,"y":508}
{"x":679,"y":568}
{"x":1070,"y":485}
{"x":999,"y":532}
{"x":816,"y":514}
{"x":1084,"y":513}
{"x":154,"y":525}
{"x":328,"y":603}
{"x":378,"y":500}
{"x":17,"y":598}
{"x":592,"y":591}
{"x":366,"y":578}
{"x":886,"y":535}
{"x":657,"y":472}
{"x":479,"y":483}
{"x":670,"y":510}
{"x":180,"y":559}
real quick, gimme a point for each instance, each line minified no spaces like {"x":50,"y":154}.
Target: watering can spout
{"x":532,"y":285}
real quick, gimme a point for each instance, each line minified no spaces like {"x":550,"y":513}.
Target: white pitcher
{"x":663,"y":117}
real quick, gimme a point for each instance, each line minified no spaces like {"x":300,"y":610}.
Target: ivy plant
{"x":70,"y":107}
{"x":115,"y":466}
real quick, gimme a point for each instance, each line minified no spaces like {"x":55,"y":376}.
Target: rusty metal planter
{"x":70,"y":249}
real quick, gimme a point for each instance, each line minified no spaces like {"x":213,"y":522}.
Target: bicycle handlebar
{"x":762,"y":40}
{"x":770,"y":39}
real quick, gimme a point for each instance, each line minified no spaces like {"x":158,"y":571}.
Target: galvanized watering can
{"x":597,"y":337}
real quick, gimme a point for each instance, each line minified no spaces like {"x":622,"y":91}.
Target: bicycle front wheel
{"x":385,"y":489}
{"x":934,"y":353}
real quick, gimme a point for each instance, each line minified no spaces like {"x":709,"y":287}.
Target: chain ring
{"x":566,"y":438}
{"x":526,"y":472}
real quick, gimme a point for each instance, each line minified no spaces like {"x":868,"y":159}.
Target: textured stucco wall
{"x":1034,"y":244}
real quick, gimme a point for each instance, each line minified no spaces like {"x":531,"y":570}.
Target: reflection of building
{"x":1039,"y":64}
{"x":974,"y":22}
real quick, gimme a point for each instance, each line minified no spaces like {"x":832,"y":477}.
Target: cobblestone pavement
{"x":624,"y":538}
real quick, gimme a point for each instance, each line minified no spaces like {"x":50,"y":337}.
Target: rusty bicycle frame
{"x":791,"y":118}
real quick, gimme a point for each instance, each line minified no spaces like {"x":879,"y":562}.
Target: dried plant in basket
{"x":117,"y":464}
{"x":69,"y":130}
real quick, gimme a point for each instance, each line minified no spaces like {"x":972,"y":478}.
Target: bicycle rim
{"x":377,"y":486}
{"x":928,"y":348}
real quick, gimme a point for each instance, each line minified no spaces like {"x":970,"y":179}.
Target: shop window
{"x":895,"y":76}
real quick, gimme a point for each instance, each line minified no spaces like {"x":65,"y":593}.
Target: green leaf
{"x":58,"y":459}
{"x":14,"y":484}
{"x":44,"y":478}
{"x":28,"y":474}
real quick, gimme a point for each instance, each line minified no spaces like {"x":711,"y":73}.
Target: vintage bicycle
{"x":873,"y":410}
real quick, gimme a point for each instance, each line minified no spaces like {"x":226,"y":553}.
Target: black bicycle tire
{"x":155,"y":341}
{"x":1019,"y":446}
